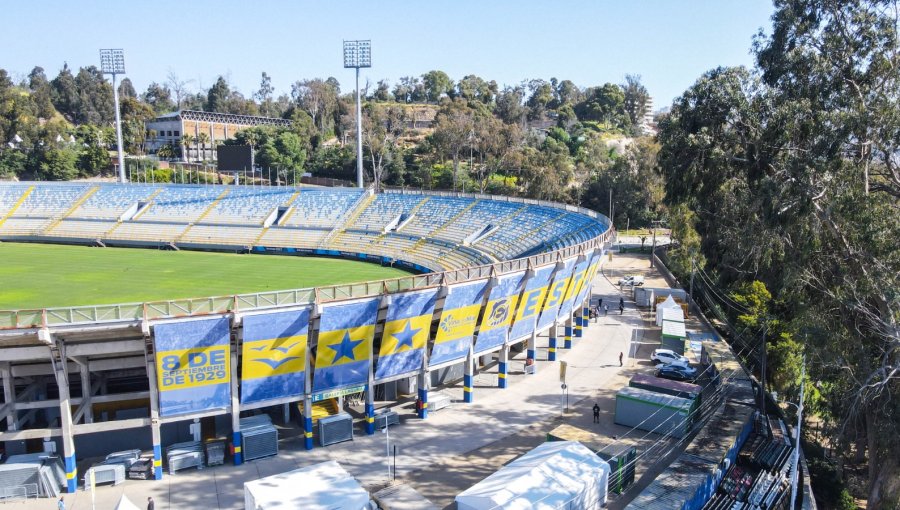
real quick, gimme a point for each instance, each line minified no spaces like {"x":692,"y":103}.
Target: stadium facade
{"x":494,"y":273}
{"x":170,"y":128}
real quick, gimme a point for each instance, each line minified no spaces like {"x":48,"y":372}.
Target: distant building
{"x":171,"y":127}
{"x":648,"y":126}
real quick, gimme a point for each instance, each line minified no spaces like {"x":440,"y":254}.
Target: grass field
{"x":46,"y":276}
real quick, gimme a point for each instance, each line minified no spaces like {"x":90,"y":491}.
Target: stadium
{"x":489,"y":273}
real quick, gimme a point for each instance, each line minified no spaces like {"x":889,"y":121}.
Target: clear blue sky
{"x":669,"y":43}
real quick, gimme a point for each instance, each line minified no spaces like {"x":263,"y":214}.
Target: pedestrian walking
{"x":61,"y":504}
{"x":596,"y":413}
{"x":621,"y":309}
{"x":621,"y":355}
{"x":605,"y":310}
{"x":150,"y":504}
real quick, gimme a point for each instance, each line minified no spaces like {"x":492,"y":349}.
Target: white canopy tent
{"x":555,"y":475}
{"x":668,"y":304}
{"x":323,"y":486}
{"x":126,"y":504}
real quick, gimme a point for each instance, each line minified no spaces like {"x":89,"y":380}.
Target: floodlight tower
{"x":112,"y":61}
{"x":358,"y":54}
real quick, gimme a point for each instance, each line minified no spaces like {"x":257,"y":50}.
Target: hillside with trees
{"x":540,"y":139}
{"x":783,"y":187}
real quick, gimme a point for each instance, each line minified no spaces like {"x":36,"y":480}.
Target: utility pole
{"x":653,"y":249}
{"x":794,"y":475}
{"x":112,"y":61}
{"x":358,"y":54}
{"x":691,"y":286}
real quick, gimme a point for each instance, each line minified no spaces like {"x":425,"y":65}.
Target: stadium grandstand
{"x":425,"y":231}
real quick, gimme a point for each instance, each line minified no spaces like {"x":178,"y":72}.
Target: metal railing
{"x":155,"y":310}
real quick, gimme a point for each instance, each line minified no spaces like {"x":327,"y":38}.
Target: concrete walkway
{"x":455,"y":447}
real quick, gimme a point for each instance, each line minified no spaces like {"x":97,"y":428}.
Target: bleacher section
{"x":435,"y":234}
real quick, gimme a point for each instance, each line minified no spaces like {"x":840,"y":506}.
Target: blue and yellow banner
{"x":273,"y":359}
{"x":555,"y":294}
{"x":345,"y":341}
{"x":458,"y":320}
{"x":530,"y":303}
{"x":575,"y":283}
{"x":406,"y":329}
{"x":588,"y":283}
{"x":499,"y":312}
{"x":193,"y":365}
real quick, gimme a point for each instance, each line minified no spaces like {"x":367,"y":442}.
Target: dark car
{"x":676,"y":373}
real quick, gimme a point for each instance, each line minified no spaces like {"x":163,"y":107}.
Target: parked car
{"x":668,"y":356}
{"x":676,"y":373}
{"x":631,"y":280}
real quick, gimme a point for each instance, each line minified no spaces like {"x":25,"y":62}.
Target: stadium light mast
{"x":112,"y":61}
{"x":358,"y":54}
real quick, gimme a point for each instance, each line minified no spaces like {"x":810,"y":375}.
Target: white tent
{"x":668,"y":304}
{"x":321,"y":486}
{"x":126,"y":504}
{"x":555,"y":475}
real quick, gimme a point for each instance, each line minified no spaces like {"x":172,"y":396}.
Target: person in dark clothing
{"x":621,"y":306}
{"x":150,"y":504}
{"x":596,"y":413}
{"x":620,"y":358}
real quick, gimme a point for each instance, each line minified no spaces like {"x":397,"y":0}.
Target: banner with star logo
{"x":458,"y":320}
{"x":346,"y":331}
{"x":555,"y":295}
{"x":588,"y":283}
{"x":406,"y":328}
{"x":530,"y":303}
{"x":273,"y":360}
{"x":577,"y":280}
{"x":499,"y":312}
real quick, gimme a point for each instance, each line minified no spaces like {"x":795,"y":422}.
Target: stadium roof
{"x":250,"y":120}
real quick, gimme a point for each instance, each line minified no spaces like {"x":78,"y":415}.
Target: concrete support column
{"x":86,"y":391}
{"x":307,"y":423}
{"x":568,"y":332}
{"x":503,"y":367}
{"x":551,"y":351}
{"x":469,"y":377}
{"x":236,"y":437}
{"x":65,"y":415}
{"x":585,"y":316}
{"x":422,"y":383}
{"x":9,"y":395}
{"x":150,"y":356}
{"x":531,"y":347}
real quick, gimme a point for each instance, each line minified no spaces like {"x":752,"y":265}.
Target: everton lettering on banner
{"x":577,"y":280}
{"x":193,"y":366}
{"x":405,"y":333}
{"x":588,"y":283}
{"x":346,"y":331}
{"x":458,"y":321}
{"x":499,"y":312}
{"x":273,"y":357}
{"x":555,"y":294}
{"x":530,"y":303}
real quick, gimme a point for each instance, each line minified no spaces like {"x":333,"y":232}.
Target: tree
{"x":159,"y":97}
{"x":58,"y":164}
{"x":567,"y":93}
{"x":264,"y":95}
{"x":318,"y":98}
{"x":64,"y":94}
{"x":453,"y":131}
{"x":126,"y":89}
{"x":474,"y":88}
{"x":286,"y":152}
{"x":382,"y":92}
{"x":217,"y":97}
{"x":178,"y":87}
{"x":509,"y":106}
{"x":541,"y":96}
{"x":604,"y":104}
{"x":794,"y":181}
{"x":134,"y":114}
{"x":187,"y":140}
{"x":382,"y":126}
{"x":41,"y":92}
{"x":202,"y":139}
{"x":95,"y":97}
{"x":436,"y":84}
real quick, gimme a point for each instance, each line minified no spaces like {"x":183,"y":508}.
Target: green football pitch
{"x":46,"y":276}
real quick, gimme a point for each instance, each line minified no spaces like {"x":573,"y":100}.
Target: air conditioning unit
{"x":335,"y":429}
